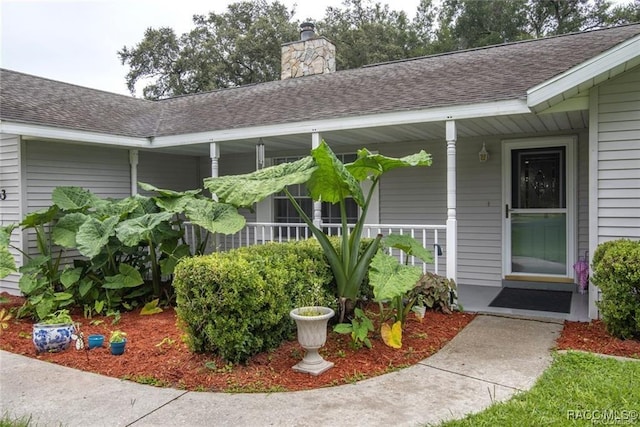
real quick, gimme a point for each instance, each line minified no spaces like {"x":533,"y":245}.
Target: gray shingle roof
{"x":493,"y":73}
{"x":35,"y":100}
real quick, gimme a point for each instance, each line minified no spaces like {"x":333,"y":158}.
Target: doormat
{"x":533,"y":299}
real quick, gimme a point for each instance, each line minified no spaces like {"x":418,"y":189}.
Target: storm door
{"x":538,"y":211}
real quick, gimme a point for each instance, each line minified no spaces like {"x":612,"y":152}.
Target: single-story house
{"x":535,"y":144}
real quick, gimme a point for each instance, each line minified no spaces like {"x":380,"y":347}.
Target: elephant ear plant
{"x":328,"y":180}
{"x":121,"y":242}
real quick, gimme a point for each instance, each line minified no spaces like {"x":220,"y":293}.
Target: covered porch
{"x":457,"y":207}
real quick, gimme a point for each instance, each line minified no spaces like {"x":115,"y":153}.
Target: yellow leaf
{"x":151,"y":308}
{"x":392,"y":336}
{"x":5,"y":316}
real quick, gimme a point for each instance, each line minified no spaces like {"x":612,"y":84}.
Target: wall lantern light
{"x":483,"y":155}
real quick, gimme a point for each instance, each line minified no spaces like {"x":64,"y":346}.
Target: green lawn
{"x":578,"y":389}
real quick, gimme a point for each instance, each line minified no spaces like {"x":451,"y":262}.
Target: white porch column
{"x":452,"y":222}
{"x":317,"y":206}
{"x":214,"y":154}
{"x":133,"y":163}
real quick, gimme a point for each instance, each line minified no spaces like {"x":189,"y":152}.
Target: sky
{"x":76,"y":41}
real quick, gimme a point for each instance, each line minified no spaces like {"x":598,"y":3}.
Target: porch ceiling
{"x":508,"y":126}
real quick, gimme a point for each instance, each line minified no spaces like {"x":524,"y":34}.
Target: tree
{"x":243,"y":45}
{"x":238,"y":47}
{"x":367,"y":33}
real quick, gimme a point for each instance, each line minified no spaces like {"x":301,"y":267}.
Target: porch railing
{"x":257,"y":233}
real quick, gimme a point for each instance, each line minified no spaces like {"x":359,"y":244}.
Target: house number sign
{"x":3,"y":194}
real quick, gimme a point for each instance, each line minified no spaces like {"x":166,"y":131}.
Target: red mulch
{"x":594,"y":337}
{"x":155,"y":353}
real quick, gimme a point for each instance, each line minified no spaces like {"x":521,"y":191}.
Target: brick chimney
{"x":309,"y":55}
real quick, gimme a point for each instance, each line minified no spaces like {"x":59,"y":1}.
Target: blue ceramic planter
{"x":117,"y":348}
{"x":52,"y":338}
{"x":95,"y":341}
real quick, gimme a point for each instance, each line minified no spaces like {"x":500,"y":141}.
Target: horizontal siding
{"x":169,"y":171}
{"x":479,"y":209}
{"x":103,"y":171}
{"x":618,"y":186}
{"x":11,"y":206}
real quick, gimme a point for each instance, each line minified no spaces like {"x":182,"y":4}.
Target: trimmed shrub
{"x":236,"y":304}
{"x":616,"y":271}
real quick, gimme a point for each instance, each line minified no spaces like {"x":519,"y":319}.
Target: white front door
{"x":539,"y":209}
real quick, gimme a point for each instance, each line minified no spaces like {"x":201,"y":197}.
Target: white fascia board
{"x":439,"y":114}
{"x":48,"y":132}
{"x":605,"y":63}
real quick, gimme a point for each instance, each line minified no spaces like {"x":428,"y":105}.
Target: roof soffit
{"x":573,"y":85}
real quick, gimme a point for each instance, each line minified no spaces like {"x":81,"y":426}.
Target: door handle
{"x":506,"y":211}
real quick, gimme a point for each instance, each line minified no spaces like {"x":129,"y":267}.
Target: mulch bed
{"x":156,"y":354}
{"x":593,"y":337}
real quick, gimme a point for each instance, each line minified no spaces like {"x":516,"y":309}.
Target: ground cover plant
{"x":578,"y":389}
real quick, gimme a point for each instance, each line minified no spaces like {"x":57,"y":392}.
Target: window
{"x":284,"y":211}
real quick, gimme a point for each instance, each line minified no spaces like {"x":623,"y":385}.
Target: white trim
{"x":570,"y":144}
{"x":593,"y":193}
{"x":214,"y":156}
{"x":452,"y":222}
{"x":591,"y":72}
{"x":438,"y":114}
{"x":24,"y":202}
{"x":39,"y":131}
{"x":572,"y":104}
{"x":316,"y":139}
{"x":133,"y":164}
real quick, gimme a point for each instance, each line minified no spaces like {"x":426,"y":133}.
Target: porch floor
{"x":478,"y":298}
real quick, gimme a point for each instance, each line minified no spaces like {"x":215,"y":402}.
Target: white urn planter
{"x":312,"y":335}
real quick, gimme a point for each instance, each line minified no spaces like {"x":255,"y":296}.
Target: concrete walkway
{"x":490,"y":360}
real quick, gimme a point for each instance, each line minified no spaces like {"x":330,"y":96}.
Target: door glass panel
{"x":538,"y":179}
{"x":538,"y":243}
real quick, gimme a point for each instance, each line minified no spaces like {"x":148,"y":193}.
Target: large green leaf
{"x":40,"y":217}
{"x":213,"y":216}
{"x":7,"y":263}
{"x":146,"y":205}
{"x":135,"y":230}
{"x":30,"y":283}
{"x":173,"y":254}
{"x":331,"y":181}
{"x":5,"y":234}
{"x":368,"y":164}
{"x":408,"y":245}
{"x":168,"y":193}
{"x":93,"y":235}
{"x":120,"y":208}
{"x":390,"y":279}
{"x":73,"y":198}
{"x":245,"y":190}
{"x":129,"y":277}
{"x":65,"y":231}
{"x":70,"y":276}
{"x":173,"y":204}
